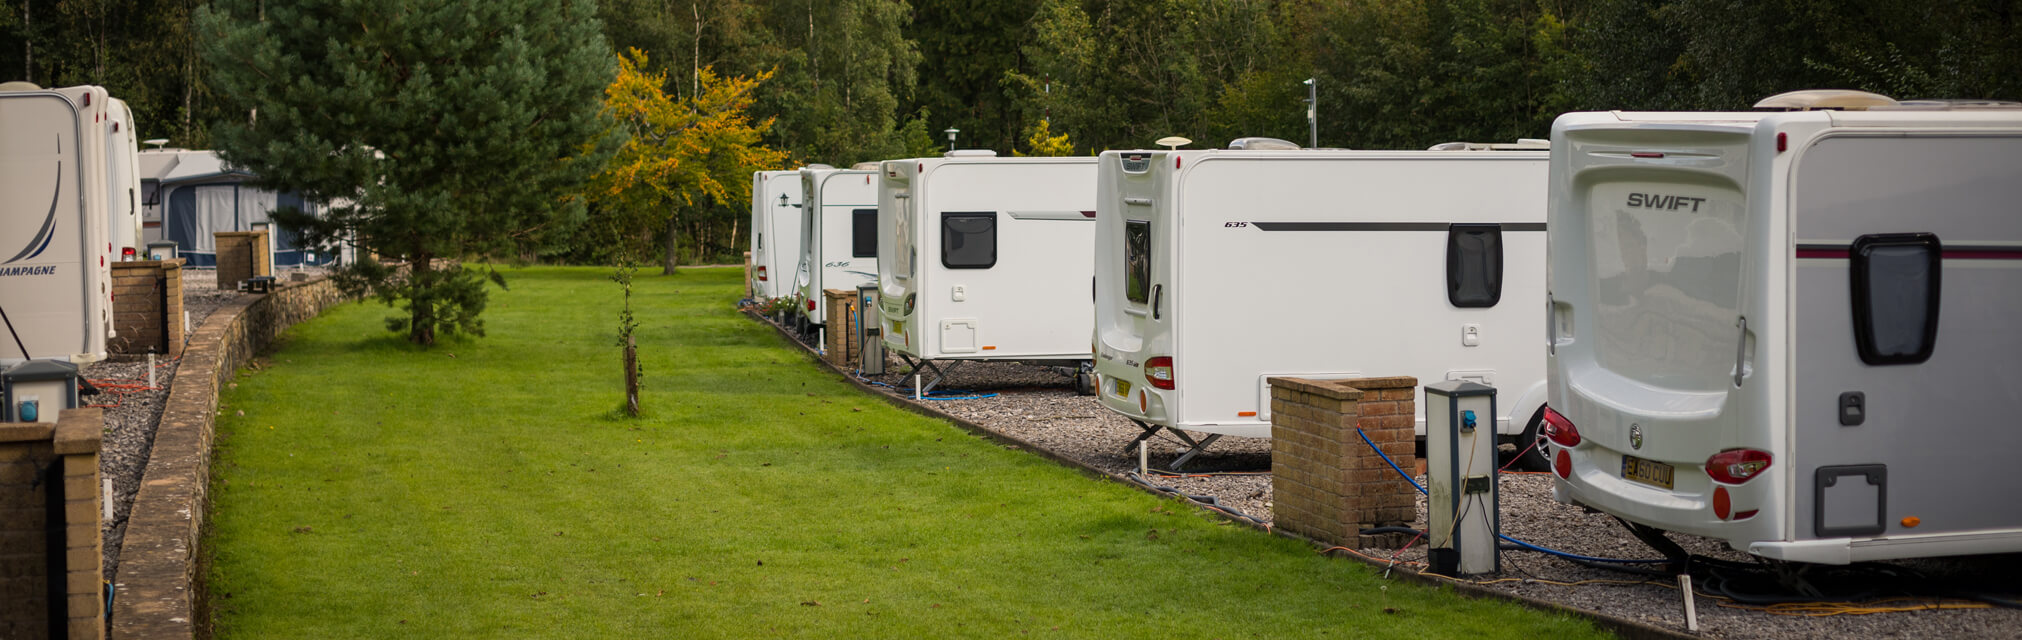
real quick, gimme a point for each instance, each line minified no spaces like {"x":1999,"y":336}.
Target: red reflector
{"x":1563,"y":464}
{"x":1735,"y":466}
{"x":1646,"y":154}
{"x":810,"y":304}
{"x":1158,"y":372}
{"x":1782,"y":141}
{"x":1559,"y":429}
{"x":1722,"y":505}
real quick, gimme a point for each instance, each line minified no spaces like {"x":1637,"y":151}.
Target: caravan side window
{"x":1895,"y":296}
{"x":969,"y":240}
{"x":1136,"y":260}
{"x":864,"y":233}
{"x":1474,"y":265}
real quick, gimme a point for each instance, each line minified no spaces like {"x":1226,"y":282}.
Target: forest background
{"x":844,"y":81}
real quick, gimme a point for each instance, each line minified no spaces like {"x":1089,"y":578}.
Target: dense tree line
{"x":855,"y":80}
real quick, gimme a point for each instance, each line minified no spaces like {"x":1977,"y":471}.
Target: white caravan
{"x":775,"y":232}
{"x":985,"y":258}
{"x":838,"y":237}
{"x":1791,"y":331}
{"x":192,"y":195}
{"x":122,"y":204}
{"x":55,"y":249}
{"x":1216,"y":270}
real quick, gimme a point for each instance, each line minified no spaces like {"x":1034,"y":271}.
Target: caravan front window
{"x":969,"y":240}
{"x":1895,"y":296}
{"x":1474,"y":265}
{"x":1137,"y":260}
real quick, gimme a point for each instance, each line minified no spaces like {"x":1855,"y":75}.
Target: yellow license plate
{"x":1122,"y":388}
{"x":1650,"y":472}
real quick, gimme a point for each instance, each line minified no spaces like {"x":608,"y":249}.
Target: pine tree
{"x":439,"y":129}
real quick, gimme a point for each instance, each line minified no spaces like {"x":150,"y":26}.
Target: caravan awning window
{"x":864,"y":233}
{"x":1474,"y":265}
{"x":1895,"y":296}
{"x":969,"y":240}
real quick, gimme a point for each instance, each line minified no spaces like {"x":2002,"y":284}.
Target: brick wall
{"x":242,"y":255}
{"x":838,"y":344}
{"x":160,"y":579}
{"x":147,"y":307}
{"x":36,"y":460}
{"x":1327,"y":484}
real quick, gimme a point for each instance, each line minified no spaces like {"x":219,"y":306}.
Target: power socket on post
{"x":1477,"y":484}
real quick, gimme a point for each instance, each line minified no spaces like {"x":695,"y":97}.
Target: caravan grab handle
{"x":1740,"y":351}
{"x":1157,"y":292}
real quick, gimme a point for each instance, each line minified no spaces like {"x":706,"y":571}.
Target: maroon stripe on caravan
{"x":1821,"y":254}
{"x":1831,"y":252}
{"x":1088,"y":214}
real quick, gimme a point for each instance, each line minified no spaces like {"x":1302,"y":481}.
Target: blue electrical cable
{"x":1386,"y":459}
{"x":1421,"y":489}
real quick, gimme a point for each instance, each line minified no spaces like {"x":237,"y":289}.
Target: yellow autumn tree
{"x":1042,"y":143}
{"x":683,"y":153}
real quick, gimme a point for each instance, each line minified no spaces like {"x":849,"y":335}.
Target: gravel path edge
{"x":1621,"y":627}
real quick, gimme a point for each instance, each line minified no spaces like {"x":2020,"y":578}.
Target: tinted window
{"x":1136,"y":260}
{"x":1474,"y":265}
{"x":864,"y":233}
{"x":1895,"y":296}
{"x":969,"y":240}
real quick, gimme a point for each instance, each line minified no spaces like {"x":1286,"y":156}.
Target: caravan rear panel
{"x":775,"y":232}
{"x":54,"y":284}
{"x":1797,"y":318}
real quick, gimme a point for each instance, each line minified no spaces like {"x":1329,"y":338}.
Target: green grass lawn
{"x":487,"y":488}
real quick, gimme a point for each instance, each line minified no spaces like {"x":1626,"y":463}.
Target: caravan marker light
{"x":1647,"y":154}
{"x":1560,"y":430}
{"x":1782,"y":141}
{"x":126,"y":254}
{"x":1735,"y":466}
{"x":810,"y":304}
{"x":1158,"y":372}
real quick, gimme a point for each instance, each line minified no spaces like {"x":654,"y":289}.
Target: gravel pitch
{"x":1039,"y":406}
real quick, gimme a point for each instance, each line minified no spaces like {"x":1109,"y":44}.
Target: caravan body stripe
{"x":40,"y":242}
{"x":1386,"y":226}
{"x":1951,"y":252}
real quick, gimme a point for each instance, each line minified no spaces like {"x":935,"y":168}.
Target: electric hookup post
{"x":871,"y":359}
{"x":1460,"y":478}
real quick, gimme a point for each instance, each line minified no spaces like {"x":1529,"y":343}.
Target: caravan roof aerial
{"x":55,"y":246}
{"x":1791,"y":331}
{"x":1218,"y":269}
{"x":985,"y":258}
{"x":775,"y":232}
{"x":838,"y":238}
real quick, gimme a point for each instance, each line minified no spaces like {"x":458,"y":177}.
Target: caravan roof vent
{"x":18,"y":85}
{"x":1262,"y":144}
{"x":819,"y":166}
{"x":970,"y":153}
{"x":868,"y":165}
{"x":1817,"y":99}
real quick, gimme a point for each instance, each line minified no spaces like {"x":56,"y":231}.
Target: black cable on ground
{"x":1210,"y":502}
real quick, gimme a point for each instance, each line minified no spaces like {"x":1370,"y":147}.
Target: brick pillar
{"x":838,"y":347}
{"x":147,"y":307}
{"x":1326,"y":482}
{"x":36,"y":460}
{"x":242,"y":255}
{"x":77,"y":438}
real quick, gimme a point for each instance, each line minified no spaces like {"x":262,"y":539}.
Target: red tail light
{"x":1735,"y":466}
{"x":127,"y":253}
{"x":1158,"y":372}
{"x":1560,"y":430}
{"x":761,"y":273}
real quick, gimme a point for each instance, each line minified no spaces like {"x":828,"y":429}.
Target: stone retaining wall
{"x":159,"y":588}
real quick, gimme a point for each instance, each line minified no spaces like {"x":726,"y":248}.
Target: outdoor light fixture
{"x":951,"y":131}
{"x":1312,"y":114}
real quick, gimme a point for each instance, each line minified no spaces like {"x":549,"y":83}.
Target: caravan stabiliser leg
{"x":1149,"y":431}
{"x":916,"y":367}
{"x":1681,"y":560}
{"x":1194,"y":447}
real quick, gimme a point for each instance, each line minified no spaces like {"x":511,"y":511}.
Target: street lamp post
{"x":951,"y":131}
{"x":1312,"y":114}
